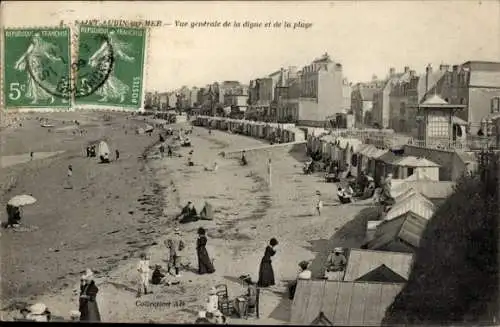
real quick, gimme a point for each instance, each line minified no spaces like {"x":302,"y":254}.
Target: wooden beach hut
{"x":361,"y":263}
{"x":342,"y":303}
{"x":408,"y":165}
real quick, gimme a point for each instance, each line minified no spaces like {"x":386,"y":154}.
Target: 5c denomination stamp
{"x":35,"y":61}
{"x":118,"y":53}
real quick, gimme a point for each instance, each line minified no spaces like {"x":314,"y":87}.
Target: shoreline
{"x":248,"y":213}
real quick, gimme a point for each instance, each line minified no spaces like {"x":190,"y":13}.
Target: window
{"x":410,"y":172}
{"x":495,"y":104}
{"x":462,"y":101}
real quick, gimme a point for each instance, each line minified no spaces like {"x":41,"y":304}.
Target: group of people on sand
{"x":189,"y":213}
{"x":175,"y":262}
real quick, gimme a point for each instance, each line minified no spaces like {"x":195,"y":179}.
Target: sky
{"x":366,"y":37}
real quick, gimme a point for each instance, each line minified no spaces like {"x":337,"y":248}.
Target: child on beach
{"x":319,"y":205}
{"x":69,"y":184}
{"x":143,"y":269}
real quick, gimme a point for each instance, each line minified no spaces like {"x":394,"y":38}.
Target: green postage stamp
{"x":36,"y":62}
{"x":110,"y":66}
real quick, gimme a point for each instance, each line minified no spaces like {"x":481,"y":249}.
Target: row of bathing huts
{"x":273,"y":132}
{"x":416,"y":188}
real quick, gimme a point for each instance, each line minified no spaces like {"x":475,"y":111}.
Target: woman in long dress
{"x":205,"y":265}
{"x":113,"y":88}
{"x":266,"y":272}
{"x":89,"y":310}
{"x":38,"y":54}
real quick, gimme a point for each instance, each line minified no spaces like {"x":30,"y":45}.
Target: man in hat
{"x":336,"y":263}
{"x":175,"y":245}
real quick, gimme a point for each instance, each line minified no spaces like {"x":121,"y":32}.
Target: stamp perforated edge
{"x":145,"y":74}
{"x":3,"y":105}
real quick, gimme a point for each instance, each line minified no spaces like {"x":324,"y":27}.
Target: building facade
{"x":362,"y":102}
{"x":320,"y":93}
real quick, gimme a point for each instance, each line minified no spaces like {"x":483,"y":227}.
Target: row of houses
{"x":392,"y":102}
{"x":273,"y":132}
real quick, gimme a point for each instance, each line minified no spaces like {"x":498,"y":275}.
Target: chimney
{"x":392,"y":72}
{"x":412,"y":73}
{"x":407,"y":69}
{"x":374,"y":77}
{"x":428,"y":71}
{"x":444,"y":68}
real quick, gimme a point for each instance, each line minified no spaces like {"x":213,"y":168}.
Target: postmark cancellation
{"x":80,"y":67}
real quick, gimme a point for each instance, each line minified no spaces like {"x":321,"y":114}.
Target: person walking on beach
{"x":69,"y":183}
{"x":175,"y":246}
{"x":169,"y":151}
{"x":269,"y":172}
{"x":117,"y":154}
{"x":31,"y":155}
{"x":205,"y":265}
{"x":143,"y":269}
{"x":88,"y":308}
{"x":319,"y":205}
{"x":266,"y":272}
{"x":162,"y":150}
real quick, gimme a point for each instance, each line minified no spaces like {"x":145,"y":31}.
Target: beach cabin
{"x":367,"y":155}
{"x":385,"y":164}
{"x":342,"y":303}
{"x":411,"y":201}
{"x":378,"y":266}
{"x":409,"y":165}
{"x":403,"y":225}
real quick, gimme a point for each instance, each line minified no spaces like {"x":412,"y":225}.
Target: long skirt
{"x":90,"y":312}
{"x":266,"y":274}
{"x":205,"y":265}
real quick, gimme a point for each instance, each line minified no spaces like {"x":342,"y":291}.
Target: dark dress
{"x":88,"y":306}
{"x":205,"y":265}
{"x":266,"y":272}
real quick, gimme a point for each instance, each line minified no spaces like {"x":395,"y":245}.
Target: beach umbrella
{"x":21,"y":200}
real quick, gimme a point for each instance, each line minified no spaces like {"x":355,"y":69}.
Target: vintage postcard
{"x":250,"y":162}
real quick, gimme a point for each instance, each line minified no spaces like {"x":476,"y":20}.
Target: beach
{"x":248,"y":212}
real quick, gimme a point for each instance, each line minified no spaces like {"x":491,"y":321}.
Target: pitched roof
{"x":432,"y":189}
{"x":321,"y":320}
{"x":382,"y":274}
{"x":389,"y":157}
{"x":343,"y":303}
{"x":434,"y":78}
{"x":407,"y":228}
{"x":435,"y":100}
{"x":411,"y":161}
{"x":415,"y":203}
{"x":361,"y":262}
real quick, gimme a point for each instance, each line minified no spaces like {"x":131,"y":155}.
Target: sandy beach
{"x":247,"y":214}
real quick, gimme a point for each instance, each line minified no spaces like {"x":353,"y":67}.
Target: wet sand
{"x":247,"y":214}
{"x":95,"y":224}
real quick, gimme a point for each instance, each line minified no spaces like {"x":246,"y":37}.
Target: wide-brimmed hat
{"x":177,"y":231}
{"x":88,"y":274}
{"x":202,"y":314}
{"x":38,"y":308}
{"x":74,"y":314}
{"x":338,"y":250}
{"x":212,"y":291}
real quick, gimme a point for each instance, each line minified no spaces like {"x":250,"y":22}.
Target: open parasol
{"x":22,"y":200}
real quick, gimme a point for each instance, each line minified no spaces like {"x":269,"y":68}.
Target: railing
{"x":469,"y":144}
